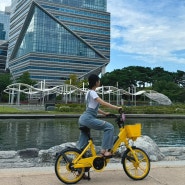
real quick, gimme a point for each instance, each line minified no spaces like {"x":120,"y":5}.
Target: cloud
{"x":4,"y":3}
{"x":146,"y":30}
{"x":150,"y":30}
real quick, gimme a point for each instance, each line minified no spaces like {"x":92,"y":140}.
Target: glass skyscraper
{"x":4,"y":25}
{"x":3,"y":55}
{"x":52,"y":39}
{"x":4,"y":31}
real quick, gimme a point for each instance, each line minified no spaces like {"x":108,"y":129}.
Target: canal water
{"x":17,"y":134}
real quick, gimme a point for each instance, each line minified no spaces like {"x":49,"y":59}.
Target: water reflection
{"x":166,"y":132}
{"x":16,"y":134}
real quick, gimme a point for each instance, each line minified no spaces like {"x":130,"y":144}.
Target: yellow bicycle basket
{"x":133,"y":131}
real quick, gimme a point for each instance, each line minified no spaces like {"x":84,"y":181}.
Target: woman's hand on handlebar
{"x":120,"y":110}
{"x":107,"y":113}
{"x":111,"y":115}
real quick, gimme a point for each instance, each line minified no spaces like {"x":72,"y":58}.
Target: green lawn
{"x":7,"y":109}
{"x":79,"y":108}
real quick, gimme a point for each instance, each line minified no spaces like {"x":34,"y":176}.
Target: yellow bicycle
{"x":72,"y":163}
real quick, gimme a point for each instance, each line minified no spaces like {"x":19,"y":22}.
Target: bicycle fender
{"x":125,"y":153}
{"x":67,"y":149}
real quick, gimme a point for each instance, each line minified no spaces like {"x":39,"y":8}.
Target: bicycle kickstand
{"x":87,"y":177}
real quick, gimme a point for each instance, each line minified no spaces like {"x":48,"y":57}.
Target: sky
{"x":4,"y":3}
{"x":148,"y":33}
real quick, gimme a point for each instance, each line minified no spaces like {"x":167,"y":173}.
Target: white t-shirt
{"x":92,"y":103}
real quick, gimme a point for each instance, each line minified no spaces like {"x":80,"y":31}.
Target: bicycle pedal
{"x":108,"y":157}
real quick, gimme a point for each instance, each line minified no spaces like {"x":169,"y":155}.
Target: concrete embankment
{"x":32,"y":157}
{"x":33,"y":116}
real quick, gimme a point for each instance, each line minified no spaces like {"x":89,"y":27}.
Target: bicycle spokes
{"x":64,"y":167}
{"x":136,"y":169}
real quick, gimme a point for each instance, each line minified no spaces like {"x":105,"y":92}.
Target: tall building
{"x":4,"y":32}
{"x":52,"y":39}
{"x":3,"y":55}
{"x":4,"y":24}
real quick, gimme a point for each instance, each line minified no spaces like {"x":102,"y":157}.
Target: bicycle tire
{"x":134,"y":170}
{"x":64,"y":169}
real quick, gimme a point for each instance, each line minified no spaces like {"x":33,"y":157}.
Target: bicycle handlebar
{"x":120,"y":110}
{"x":111,"y":116}
{"x":119,"y":119}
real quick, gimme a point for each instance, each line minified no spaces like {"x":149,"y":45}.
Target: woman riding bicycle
{"x":72,"y":163}
{"x":89,"y":118}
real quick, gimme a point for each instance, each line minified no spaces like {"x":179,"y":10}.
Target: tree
{"x":25,"y":78}
{"x":83,"y":83}
{"x":170,"y":89}
{"x":168,"y":83}
{"x":160,"y":75}
{"x":179,"y":78}
{"x":126,"y":77}
{"x":73,"y":80}
{"x":5,"y":80}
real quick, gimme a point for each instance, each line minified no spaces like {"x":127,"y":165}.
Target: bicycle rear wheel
{"x":64,"y":166}
{"x":136,"y":170}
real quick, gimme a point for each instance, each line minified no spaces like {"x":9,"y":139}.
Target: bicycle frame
{"x":81,"y":162}
{"x":122,"y":137}
{"x":72,"y":163}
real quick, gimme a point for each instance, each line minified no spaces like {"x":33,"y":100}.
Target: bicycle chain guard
{"x":98,"y":163}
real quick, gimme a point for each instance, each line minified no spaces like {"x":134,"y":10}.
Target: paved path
{"x":161,"y":173}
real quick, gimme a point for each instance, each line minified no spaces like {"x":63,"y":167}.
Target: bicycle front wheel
{"x":64,"y":166}
{"x":136,"y":170}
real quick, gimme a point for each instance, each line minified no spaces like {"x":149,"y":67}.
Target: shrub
{"x":64,"y":109}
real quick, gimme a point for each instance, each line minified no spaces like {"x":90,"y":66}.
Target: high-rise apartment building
{"x":4,"y":24}
{"x":3,"y":55}
{"x":52,"y":39}
{"x":4,"y":32}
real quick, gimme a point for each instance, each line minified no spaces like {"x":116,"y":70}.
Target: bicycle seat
{"x":84,"y":129}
